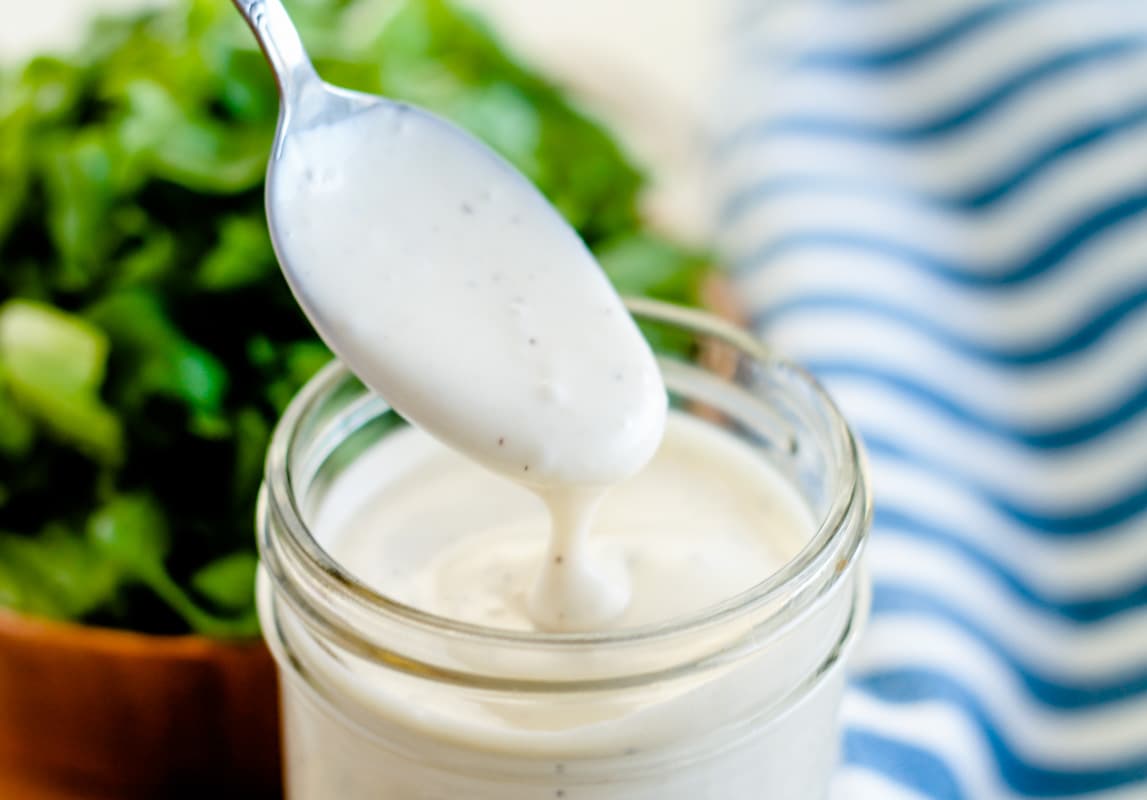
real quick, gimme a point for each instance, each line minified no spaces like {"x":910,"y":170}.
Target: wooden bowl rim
{"x":73,"y":636}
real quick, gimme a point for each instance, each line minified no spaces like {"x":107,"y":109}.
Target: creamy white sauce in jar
{"x":414,"y":671}
{"x":703,"y":522}
{"x":541,"y":590}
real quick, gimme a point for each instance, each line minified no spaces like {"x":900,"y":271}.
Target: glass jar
{"x":739,"y":701}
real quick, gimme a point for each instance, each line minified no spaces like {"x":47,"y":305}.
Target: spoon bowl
{"x":449,"y":284}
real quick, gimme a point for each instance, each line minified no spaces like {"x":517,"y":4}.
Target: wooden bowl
{"x":98,"y":714}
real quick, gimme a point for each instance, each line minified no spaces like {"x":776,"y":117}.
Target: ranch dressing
{"x":396,"y":592}
{"x":452,"y":288}
{"x":705,"y":520}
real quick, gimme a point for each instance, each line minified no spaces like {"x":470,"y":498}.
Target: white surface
{"x":27,"y":26}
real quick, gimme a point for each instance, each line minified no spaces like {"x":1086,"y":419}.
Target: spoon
{"x":448,"y":284}
{"x":306,"y":99}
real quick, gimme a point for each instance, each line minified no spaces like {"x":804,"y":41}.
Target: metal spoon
{"x":448,"y":283}
{"x":306,"y":99}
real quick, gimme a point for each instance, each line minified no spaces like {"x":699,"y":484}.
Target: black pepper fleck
{"x":501,"y":440}
{"x":533,"y":340}
{"x":526,"y":468}
{"x":559,"y":559}
{"x":560,"y":768}
{"x":467,"y":208}
{"x":560,"y":793}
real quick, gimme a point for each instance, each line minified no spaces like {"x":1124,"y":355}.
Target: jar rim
{"x":836,"y":542}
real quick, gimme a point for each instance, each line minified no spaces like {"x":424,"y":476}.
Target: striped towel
{"x":940,"y":207}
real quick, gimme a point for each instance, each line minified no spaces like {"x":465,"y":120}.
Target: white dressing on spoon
{"x":451,"y":287}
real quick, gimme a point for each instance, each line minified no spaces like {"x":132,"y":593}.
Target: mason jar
{"x":737,"y":701}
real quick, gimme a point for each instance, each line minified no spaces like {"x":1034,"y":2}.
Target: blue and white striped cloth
{"x":940,"y":206}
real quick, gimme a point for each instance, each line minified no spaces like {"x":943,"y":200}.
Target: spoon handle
{"x":279,"y":40}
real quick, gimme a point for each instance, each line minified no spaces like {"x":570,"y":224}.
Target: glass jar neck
{"x":712,"y":370}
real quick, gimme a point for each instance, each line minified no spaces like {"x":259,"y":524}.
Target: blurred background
{"x":938,"y":207}
{"x":646,"y":68}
